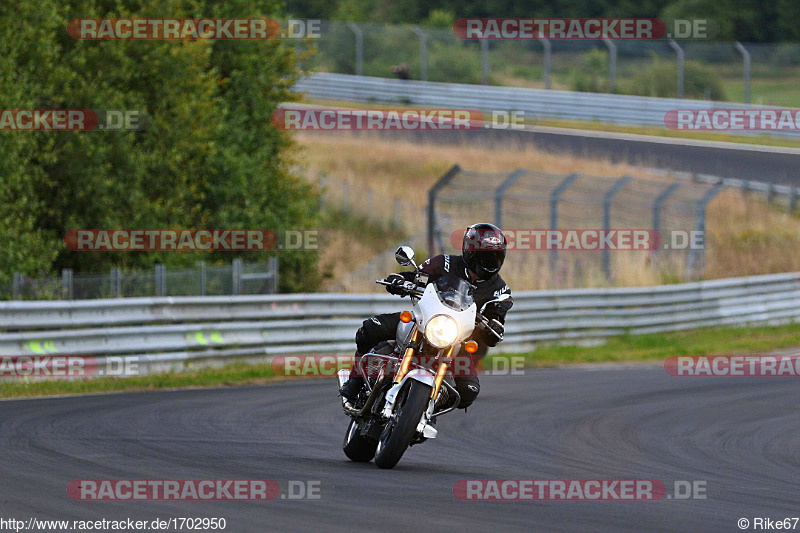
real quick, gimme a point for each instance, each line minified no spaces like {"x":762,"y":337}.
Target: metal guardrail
{"x":167,"y":332}
{"x":534,"y":103}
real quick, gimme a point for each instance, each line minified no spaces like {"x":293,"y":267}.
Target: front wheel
{"x":355,"y":446}
{"x":399,"y":431}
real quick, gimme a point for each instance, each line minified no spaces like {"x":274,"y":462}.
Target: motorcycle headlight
{"x":441,"y":331}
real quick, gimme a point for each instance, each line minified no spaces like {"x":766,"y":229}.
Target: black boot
{"x":351,"y":388}
{"x":354,"y":384}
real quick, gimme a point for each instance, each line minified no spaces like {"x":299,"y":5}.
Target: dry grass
{"x":745,"y":236}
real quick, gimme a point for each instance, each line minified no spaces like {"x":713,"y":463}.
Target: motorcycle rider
{"x":483,"y":252}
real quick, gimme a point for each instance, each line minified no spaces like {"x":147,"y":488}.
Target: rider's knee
{"x":468,"y":389}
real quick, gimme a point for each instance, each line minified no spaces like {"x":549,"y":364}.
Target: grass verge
{"x":706,"y":341}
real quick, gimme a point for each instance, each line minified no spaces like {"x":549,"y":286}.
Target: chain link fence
{"x":203,"y":280}
{"x":524,"y":203}
{"x":752,"y":73}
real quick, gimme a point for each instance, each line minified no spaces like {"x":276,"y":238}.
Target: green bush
{"x":660,"y":78}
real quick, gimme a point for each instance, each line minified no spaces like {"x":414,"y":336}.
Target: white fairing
{"x":429,"y":306}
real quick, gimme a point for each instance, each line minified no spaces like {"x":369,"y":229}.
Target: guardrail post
{"x":161,"y":280}
{"x":554,"y":196}
{"x":66,"y":284}
{"x":792,"y":199}
{"x":660,"y":201}
{"x":236,"y":277}
{"x":681,"y":58}
{"x":701,"y":227}
{"x":500,"y":191}
{"x":359,"y":47}
{"x":485,"y":61}
{"x":432,"y":193}
{"x":272,"y":263}
{"x":547,"y":60}
{"x":746,"y":60}
{"x":770,"y":192}
{"x":423,"y":52}
{"x":612,"y":64}
{"x":115,"y":281}
{"x":607,"y":198}
{"x":397,"y":210}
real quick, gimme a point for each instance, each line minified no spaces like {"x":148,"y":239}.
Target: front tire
{"x":397,"y":434}
{"x":355,"y":446}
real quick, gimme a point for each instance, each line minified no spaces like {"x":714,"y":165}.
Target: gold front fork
{"x":441,"y":371}
{"x":406,"y":362}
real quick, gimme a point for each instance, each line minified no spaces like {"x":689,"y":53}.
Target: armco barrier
{"x":164,"y":332}
{"x":534,"y":103}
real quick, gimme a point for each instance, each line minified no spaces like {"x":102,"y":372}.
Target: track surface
{"x":728,"y":160}
{"x":740,"y":435}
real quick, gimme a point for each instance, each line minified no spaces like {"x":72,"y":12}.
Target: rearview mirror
{"x":405,"y":256}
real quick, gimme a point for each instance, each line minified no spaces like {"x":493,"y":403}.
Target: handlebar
{"x":414,"y":290}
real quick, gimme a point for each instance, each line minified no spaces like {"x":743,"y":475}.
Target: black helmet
{"x":484,"y":249}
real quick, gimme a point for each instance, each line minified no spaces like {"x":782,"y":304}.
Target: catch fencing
{"x":700,"y":69}
{"x":170,"y":333}
{"x":237,"y":278}
{"x":529,"y":200}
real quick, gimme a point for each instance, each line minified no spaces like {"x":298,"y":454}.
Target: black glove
{"x":497,"y":327}
{"x":396,"y":286}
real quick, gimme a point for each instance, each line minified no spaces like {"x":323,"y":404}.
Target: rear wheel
{"x":398,"y":432}
{"x":355,"y":446}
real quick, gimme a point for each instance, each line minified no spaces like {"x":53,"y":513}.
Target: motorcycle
{"x":403,"y":394}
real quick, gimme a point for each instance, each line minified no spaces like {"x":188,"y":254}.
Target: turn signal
{"x":407,"y":317}
{"x":471,"y":346}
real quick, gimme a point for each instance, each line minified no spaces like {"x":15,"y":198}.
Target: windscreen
{"x":454,"y":292}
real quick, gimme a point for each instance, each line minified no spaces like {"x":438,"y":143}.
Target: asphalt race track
{"x":739,"y":435}
{"x":724,"y":159}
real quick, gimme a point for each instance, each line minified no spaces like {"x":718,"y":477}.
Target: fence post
{"x":485,"y":61}
{"x":500,"y":191}
{"x":67,"y":292}
{"x":607,"y":199}
{"x":359,"y":47}
{"x":612,"y":64}
{"x":346,"y":196}
{"x":701,"y":226}
{"x":432,"y":193}
{"x":322,"y":178}
{"x":746,"y":60}
{"x":396,"y":212}
{"x":423,"y":52}
{"x":554,"y":196}
{"x":681,"y":57}
{"x":115,"y":280}
{"x":161,"y":280}
{"x":202,"y":265}
{"x":16,"y":286}
{"x":272,"y":263}
{"x":661,"y":200}
{"x":547,"y":61}
{"x":236,"y":277}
